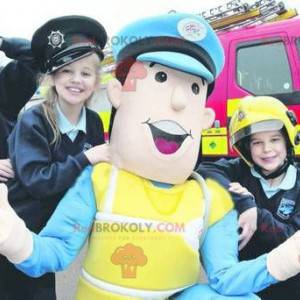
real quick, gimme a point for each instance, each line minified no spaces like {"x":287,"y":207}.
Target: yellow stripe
{"x":215,"y":131}
{"x":105,"y":117}
{"x":106,"y":77}
{"x":232,"y":105}
{"x":235,"y":19}
{"x":290,"y":13}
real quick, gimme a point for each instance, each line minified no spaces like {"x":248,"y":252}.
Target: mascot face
{"x":157,"y":127}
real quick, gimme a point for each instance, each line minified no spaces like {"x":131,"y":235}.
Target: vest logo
{"x":129,"y":257}
{"x":286,"y":207}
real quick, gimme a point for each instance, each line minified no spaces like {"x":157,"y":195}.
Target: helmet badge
{"x":241,"y":115}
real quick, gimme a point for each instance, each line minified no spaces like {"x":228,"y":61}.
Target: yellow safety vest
{"x":145,"y":239}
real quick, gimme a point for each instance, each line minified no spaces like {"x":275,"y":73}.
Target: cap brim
{"x":178,"y":61}
{"x":59,"y":66}
{"x":268,"y":125}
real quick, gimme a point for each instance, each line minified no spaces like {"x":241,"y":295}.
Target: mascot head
{"x":165,"y":67}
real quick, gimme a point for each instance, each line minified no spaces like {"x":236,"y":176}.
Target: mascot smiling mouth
{"x":168,"y":136}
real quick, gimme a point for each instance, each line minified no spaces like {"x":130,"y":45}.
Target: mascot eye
{"x":195,"y":88}
{"x":161,"y":76}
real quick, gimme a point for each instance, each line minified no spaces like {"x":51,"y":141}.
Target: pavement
{"x":66,"y":281}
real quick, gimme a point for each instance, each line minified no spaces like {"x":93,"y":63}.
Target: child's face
{"x":75,"y":83}
{"x":268,"y":150}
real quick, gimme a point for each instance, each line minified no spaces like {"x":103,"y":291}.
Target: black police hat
{"x":65,"y":39}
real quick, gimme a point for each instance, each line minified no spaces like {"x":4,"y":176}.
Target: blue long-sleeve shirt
{"x":60,"y":241}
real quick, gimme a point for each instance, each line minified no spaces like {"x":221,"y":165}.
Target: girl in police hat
{"x":263,"y":133}
{"x":53,"y":142}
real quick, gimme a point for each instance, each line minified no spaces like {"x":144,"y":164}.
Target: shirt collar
{"x":287,"y":183}
{"x":65,"y":126}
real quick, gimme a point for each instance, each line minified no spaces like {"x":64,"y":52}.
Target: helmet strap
{"x":282,"y":169}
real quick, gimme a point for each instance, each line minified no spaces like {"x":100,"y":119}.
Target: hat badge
{"x":56,"y":39}
{"x":191,"y":29}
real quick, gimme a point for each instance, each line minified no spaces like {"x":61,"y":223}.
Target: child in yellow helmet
{"x":263,"y":133}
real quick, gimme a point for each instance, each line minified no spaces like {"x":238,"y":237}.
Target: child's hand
{"x":248,"y":223}
{"x":15,"y":239}
{"x":100,"y":153}
{"x":248,"y":219}
{"x":6,"y":170}
{"x":235,"y":187}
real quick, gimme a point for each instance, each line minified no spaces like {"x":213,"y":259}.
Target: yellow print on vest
{"x":129,"y":257}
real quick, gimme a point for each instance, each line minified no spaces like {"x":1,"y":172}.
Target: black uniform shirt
{"x":17,"y":85}
{"x":44,"y":172}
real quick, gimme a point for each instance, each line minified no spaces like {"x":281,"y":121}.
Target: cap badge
{"x":241,"y":115}
{"x":56,"y":39}
{"x":191,"y":29}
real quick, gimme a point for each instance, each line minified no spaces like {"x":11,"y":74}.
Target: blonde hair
{"x":51,"y":98}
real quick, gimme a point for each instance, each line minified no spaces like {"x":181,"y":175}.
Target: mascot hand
{"x":283,"y":262}
{"x":15,"y":239}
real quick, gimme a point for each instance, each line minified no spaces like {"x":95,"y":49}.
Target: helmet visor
{"x":268,"y":125}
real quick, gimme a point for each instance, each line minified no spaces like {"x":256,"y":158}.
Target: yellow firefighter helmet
{"x":258,"y":114}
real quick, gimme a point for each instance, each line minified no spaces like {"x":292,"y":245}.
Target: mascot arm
{"x":60,"y":241}
{"x":283,"y":262}
{"x":225,"y":273}
{"x":16,"y":241}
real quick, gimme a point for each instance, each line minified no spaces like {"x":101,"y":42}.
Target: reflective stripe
{"x":144,"y":294}
{"x":110,"y":194}
{"x":232,"y":105}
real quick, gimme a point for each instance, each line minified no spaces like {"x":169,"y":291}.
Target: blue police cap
{"x":66,"y":39}
{"x":182,"y":41}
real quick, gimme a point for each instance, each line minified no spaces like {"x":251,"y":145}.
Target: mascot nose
{"x":178,"y":99}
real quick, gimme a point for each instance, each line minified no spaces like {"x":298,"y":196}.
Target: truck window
{"x":263,"y":69}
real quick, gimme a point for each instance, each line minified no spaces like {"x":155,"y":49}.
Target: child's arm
{"x":18,"y":79}
{"x":273,"y":232}
{"x":224,"y":172}
{"x":61,"y":240}
{"x":269,"y":229}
